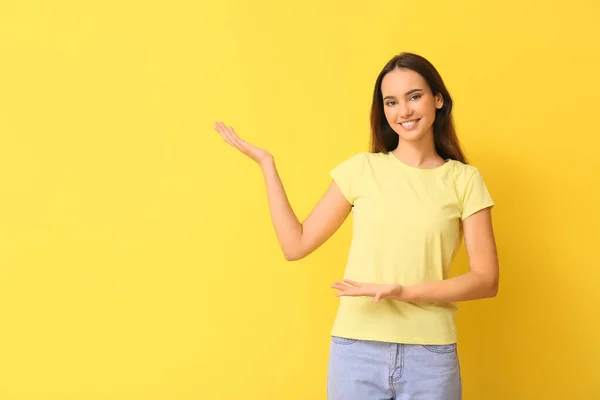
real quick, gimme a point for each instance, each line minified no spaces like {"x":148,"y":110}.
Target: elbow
{"x":492,"y":289}
{"x":292,"y":255}
{"x":296,"y":250}
{"x":487,"y":284}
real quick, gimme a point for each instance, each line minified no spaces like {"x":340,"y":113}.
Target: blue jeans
{"x":370,"y":370}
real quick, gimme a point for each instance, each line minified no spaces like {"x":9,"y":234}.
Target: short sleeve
{"x":476,"y":195}
{"x":347,"y":176}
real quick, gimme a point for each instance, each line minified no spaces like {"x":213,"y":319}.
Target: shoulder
{"x":363,"y":156}
{"x":349,"y":174}
{"x":470,"y":188}
{"x":462,"y":173}
{"x":360,"y":160}
{"x":469,"y":184}
{"x":357,"y":167}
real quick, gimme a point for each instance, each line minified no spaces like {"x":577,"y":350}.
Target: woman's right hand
{"x":260,"y":156}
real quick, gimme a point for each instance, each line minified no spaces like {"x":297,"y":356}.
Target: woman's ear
{"x":439,"y":101}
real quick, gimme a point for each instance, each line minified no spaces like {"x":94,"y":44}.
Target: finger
{"x":348,"y":293}
{"x":342,"y":294}
{"x":377,"y":298}
{"x":224,"y":131}
{"x":226,"y":135}
{"x":351,"y":292}
{"x":232,"y":132}
{"x":243,"y":145}
{"x":239,"y":143}
{"x":226,"y":139}
{"x":343,"y":283}
{"x":221,"y":129}
{"x":353,"y":283}
{"x":340,"y":286}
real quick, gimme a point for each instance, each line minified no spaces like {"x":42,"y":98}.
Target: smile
{"x":408,"y":125}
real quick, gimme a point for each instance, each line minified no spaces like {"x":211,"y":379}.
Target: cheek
{"x":389,"y":115}
{"x":427,"y":109}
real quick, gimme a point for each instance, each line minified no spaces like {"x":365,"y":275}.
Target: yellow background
{"x":137,"y":257}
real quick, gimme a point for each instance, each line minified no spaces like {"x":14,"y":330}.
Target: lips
{"x":409,"y":125}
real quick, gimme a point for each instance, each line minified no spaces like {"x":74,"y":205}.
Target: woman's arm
{"x":482,"y":279}
{"x":297,"y":240}
{"x":480,"y":282}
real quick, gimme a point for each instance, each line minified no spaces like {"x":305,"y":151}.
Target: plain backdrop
{"x":137,"y":256}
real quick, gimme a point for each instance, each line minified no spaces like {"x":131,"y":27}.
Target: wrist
{"x":404,"y":293}
{"x":267,"y":164}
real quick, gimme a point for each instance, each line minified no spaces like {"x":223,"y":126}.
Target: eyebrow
{"x":406,"y":94}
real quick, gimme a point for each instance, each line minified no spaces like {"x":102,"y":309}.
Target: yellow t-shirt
{"x":406,"y":230}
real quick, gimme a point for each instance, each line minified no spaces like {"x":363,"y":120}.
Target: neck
{"x":418,"y":153}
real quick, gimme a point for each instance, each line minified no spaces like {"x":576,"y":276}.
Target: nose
{"x":404,"y":110}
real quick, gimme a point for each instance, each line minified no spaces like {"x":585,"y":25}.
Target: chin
{"x":410,"y":136}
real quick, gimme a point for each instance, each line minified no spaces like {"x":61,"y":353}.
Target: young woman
{"x":413,"y":198}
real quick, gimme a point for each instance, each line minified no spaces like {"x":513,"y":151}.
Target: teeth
{"x":409,"y":123}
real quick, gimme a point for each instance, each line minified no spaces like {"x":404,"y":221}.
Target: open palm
{"x":257,"y":154}
{"x":354,"y":289}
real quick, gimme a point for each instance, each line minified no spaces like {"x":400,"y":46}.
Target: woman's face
{"x":409,"y":105}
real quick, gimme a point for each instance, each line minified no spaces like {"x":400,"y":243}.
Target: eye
{"x":416,"y":97}
{"x":390,"y":103}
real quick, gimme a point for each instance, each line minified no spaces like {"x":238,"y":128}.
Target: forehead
{"x":400,"y":81}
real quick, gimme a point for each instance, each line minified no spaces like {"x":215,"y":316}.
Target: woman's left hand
{"x":377,"y":290}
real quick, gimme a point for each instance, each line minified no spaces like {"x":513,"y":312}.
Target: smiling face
{"x":409,"y":104}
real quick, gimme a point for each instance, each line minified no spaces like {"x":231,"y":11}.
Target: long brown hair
{"x":383,"y":137}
